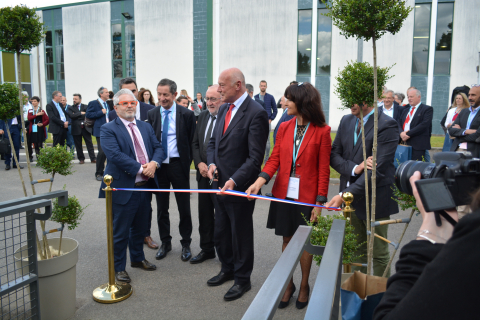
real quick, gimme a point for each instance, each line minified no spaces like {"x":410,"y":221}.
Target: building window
{"x":324,"y":43}
{"x":304,"y":41}
{"x":421,"y":36}
{"x":54,"y":56}
{"x":443,"y":39}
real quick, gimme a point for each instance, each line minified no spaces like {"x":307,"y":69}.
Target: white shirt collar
{"x":126,"y":122}
{"x":240,"y":100}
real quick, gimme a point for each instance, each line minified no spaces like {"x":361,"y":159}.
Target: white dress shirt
{"x":388,"y":112}
{"x":103,"y":104}
{"x":208,"y":124}
{"x":237,"y":104}
{"x":138,"y":177}
{"x":172,"y":132}
{"x":407,"y":125}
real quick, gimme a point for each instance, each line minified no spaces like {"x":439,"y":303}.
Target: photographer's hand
{"x":429,"y":229}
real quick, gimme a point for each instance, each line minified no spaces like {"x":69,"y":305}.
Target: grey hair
{"x":249,"y":88}
{"x":25,"y":93}
{"x":100,"y":91}
{"x":390,"y":91}
{"x":419,"y":94}
{"x":401,"y":96}
{"x":121,"y":92}
{"x":170,"y":83}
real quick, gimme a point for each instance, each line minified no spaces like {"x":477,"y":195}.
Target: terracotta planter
{"x":57,"y":281}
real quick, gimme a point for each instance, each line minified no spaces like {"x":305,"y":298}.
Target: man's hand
{"x":404,"y":136}
{"x":149,"y":169}
{"x":229,"y":185}
{"x":104,"y":111}
{"x":1,"y":131}
{"x":65,"y":124}
{"x":202,"y":167}
{"x":359,"y":169}
{"x":269,"y":120}
{"x":370,"y":163}
{"x":82,"y":112}
{"x":470,"y":131}
{"x":457,"y":126}
{"x":211,"y":170}
{"x":335,"y":202}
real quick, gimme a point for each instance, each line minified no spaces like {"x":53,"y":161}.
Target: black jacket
{"x":199,"y":149}
{"x":420,"y":127}
{"x":56,"y":124}
{"x":472,"y":145}
{"x":77,"y":118}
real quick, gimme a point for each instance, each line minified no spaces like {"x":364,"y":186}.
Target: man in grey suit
{"x":347,"y":159}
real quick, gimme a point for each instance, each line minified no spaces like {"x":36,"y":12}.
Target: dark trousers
{"x":206,"y":216}
{"x":234,"y":237}
{"x":418,"y":155}
{"x":37,"y":145}
{"x":15,"y":132}
{"x":129,"y":223}
{"x":88,"y":141}
{"x":172,"y":174}
{"x":101,"y":157}
{"x":70,"y":141}
{"x":60,"y":137}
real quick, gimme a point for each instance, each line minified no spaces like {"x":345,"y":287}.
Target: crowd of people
{"x":148,"y":144}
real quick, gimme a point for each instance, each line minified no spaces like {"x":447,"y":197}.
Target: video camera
{"x":445,"y":184}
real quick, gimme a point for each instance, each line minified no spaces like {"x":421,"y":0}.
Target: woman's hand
{"x":256,"y":186}
{"x":40,"y":124}
{"x":316,"y":212}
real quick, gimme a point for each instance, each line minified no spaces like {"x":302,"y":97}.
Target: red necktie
{"x":408,"y":117}
{"x":228,"y":117}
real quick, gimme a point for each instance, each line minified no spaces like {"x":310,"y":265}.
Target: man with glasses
{"x":206,"y":208}
{"x":58,"y":125}
{"x":98,"y":110}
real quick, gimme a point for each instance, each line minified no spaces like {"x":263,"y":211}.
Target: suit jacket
{"x":270,"y":105}
{"x":238,"y":154}
{"x":144,"y":108}
{"x":31,"y":119}
{"x":345,"y":156}
{"x":3,"y":125}
{"x":94,"y":111}
{"x":185,"y":130}
{"x":312,"y":164}
{"x":473,"y":145}
{"x":284,"y":118}
{"x":199,"y":149}
{"x":122,"y":164}
{"x":397,"y":113}
{"x":56,"y":123}
{"x":420,"y":127}
{"x":77,"y":118}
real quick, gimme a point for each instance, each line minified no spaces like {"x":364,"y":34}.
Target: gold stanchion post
{"x":111,"y":292}
{"x":347,"y":213}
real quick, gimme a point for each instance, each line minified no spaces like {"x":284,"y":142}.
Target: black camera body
{"x":445,"y":184}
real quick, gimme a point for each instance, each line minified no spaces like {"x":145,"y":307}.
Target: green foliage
{"x":367,"y":19}
{"x":20,"y":29}
{"x":70,"y":214}
{"x":319,"y":236}
{"x":9,"y":101}
{"x":405,"y":201}
{"x":355,"y":83}
{"x":55,"y":160}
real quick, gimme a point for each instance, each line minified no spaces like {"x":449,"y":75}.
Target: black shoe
{"x":237,"y":291}
{"x":7,"y":167}
{"x":284,"y":304}
{"x":162,"y":252}
{"x":301,"y":305}
{"x":220,"y":279}
{"x":145,"y":265}
{"x":15,"y":167}
{"x":122,"y":276}
{"x":31,"y":159}
{"x":186,"y":253}
{"x":202,"y":256}
{"x":99,"y":178}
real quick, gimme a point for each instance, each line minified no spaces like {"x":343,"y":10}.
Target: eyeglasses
{"x":211,"y":99}
{"x":128,"y":103}
{"x":299,"y":84}
{"x":475,"y":85}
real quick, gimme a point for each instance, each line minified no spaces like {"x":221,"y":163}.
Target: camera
{"x":445,"y":184}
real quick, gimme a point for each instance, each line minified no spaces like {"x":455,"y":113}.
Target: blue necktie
{"x":105,"y":106}
{"x":165,"y":134}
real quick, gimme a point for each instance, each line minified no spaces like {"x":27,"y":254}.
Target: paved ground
{"x":177,"y":289}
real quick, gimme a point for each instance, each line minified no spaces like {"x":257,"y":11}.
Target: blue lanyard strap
{"x":295,"y":151}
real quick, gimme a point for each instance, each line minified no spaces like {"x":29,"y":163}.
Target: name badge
{"x":34,"y":128}
{"x":293,"y":188}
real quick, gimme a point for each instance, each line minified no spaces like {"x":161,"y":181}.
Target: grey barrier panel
{"x":62,"y":196}
{"x":268,"y":298}
{"x":29,"y":206}
{"x":324,"y":301}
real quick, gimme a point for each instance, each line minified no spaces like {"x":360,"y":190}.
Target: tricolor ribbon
{"x":232,"y":193}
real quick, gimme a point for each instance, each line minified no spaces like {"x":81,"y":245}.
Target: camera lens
{"x":407,"y":169}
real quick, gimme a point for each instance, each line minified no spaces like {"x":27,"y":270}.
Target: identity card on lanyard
{"x":294,"y":182}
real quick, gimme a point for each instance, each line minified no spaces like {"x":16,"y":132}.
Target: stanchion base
{"x":112,"y":293}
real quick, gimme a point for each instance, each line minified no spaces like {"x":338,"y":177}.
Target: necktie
{"x":228,"y":117}
{"x":359,"y":127}
{"x":165,"y":133}
{"x":209,"y":132}
{"x":138,"y":149}
{"x":408,"y":118}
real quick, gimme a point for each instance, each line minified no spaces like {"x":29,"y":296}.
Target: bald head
{"x":231,"y":85}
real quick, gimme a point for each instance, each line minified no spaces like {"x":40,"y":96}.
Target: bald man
{"x":234,"y":155}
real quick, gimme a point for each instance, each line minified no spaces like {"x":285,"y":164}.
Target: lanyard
{"x":295,"y":152}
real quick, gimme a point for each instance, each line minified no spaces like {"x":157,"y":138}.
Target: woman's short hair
{"x":35,"y":98}
{"x":308,"y":102}
{"x":400,"y":96}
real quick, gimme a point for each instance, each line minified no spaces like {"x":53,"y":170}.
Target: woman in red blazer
{"x":301,"y":155}
{"x":37,"y":128}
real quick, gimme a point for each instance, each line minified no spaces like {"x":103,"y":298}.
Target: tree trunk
{"x":16,"y":160}
{"x":366,"y":177}
{"x":60,"y":242}
{"x":374,"y":156}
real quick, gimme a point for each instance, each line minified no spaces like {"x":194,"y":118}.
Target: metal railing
{"x":325,"y":298}
{"x":18,"y":254}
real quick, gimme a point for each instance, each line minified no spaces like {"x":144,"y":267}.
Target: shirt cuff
{"x":353,"y":170}
{"x":141,"y":170}
{"x":210,"y":165}
{"x":463,"y":133}
{"x":265,"y":176}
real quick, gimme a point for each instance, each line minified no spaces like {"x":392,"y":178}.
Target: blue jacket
{"x":4,"y":127}
{"x":285,"y":117}
{"x":121,"y":160}
{"x":94,"y":111}
{"x":270,"y":105}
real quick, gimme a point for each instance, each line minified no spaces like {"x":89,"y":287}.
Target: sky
{"x":35,"y":3}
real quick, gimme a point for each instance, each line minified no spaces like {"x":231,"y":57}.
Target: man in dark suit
{"x":15,"y":128}
{"x":234,"y":155}
{"x":58,"y":125}
{"x":416,"y":125}
{"x":271,"y":108}
{"x":174,"y":126}
{"x":133,"y":154}
{"x":206,"y":202}
{"x":285,"y":117}
{"x":347,"y":159}
{"x":77,"y":112}
{"x":142,"y":111}
{"x":391,"y":108}
{"x":466,"y":128}
{"x":98,"y":110}
{"x":70,"y":141}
